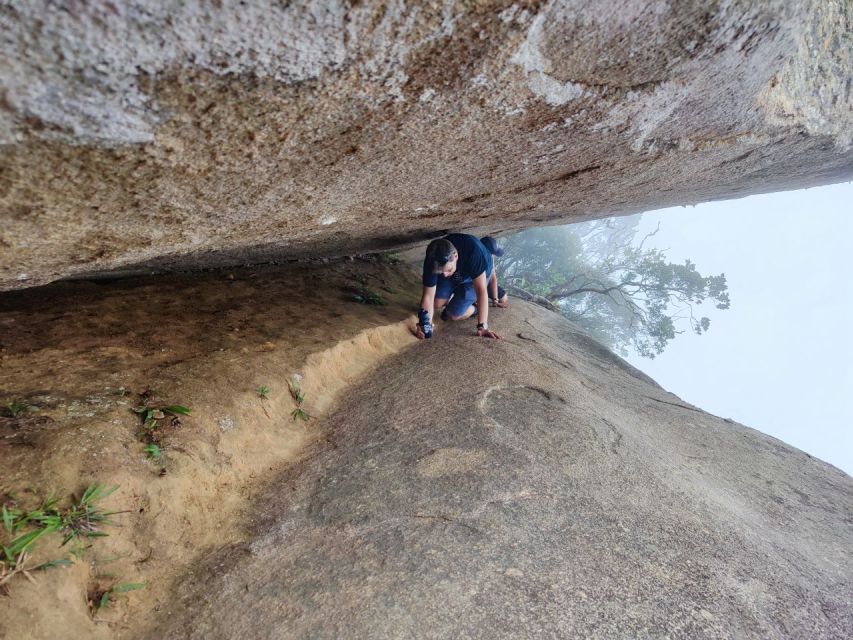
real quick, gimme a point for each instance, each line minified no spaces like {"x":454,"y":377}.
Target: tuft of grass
{"x":153,"y":451}
{"x":298,"y":398}
{"x":263,"y":393}
{"x":299,"y":412}
{"x":390,"y":257}
{"x":16,"y":409}
{"x":100,"y":598}
{"x":295,"y":392}
{"x":154,"y":418}
{"x":151,"y":415}
{"x":85,"y":517}
{"x":47,"y":518}
{"x":367,"y":296}
{"x":82,"y":519}
{"x":364,"y":295}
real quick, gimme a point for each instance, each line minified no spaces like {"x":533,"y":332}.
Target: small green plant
{"x":390,"y":257}
{"x":154,"y":418}
{"x":263,"y":393}
{"x":151,"y":415}
{"x":46,"y":519}
{"x":100,"y":598}
{"x":295,"y":392}
{"x":299,"y":412}
{"x":16,"y":409}
{"x":367,"y":296}
{"x":153,"y":451}
{"x":298,"y":398}
{"x":83,"y":518}
{"x":364,"y":295}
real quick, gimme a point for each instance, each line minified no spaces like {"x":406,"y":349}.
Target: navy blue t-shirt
{"x":474,"y":259}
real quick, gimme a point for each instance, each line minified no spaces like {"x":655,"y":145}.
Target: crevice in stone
{"x":675,"y":404}
{"x":444,"y":518}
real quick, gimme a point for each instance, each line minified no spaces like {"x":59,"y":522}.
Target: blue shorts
{"x":461,"y":293}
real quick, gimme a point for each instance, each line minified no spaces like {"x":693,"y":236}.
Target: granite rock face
{"x":145,"y":134}
{"x":540,"y":487}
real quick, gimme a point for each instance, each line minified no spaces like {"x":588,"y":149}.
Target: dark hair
{"x":440,"y":251}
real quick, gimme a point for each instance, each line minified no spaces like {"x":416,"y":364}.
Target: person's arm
{"x":483,"y":307}
{"x":428,"y":300}
{"x":427,"y":304}
{"x":494,"y":291}
{"x":493,"y":285}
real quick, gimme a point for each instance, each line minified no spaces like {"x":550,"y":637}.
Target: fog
{"x":779,"y":359}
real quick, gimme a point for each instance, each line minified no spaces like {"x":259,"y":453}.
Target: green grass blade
{"x":59,"y":562}
{"x":22,"y":543}
{"x":90,"y":493}
{"x":96,"y":492}
{"x":153,"y":451}
{"x":177,"y":409}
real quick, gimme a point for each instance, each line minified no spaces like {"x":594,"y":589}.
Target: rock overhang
{"x":138,"y":135}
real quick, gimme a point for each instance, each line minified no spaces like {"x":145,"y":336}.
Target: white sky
{"x":780,"y":359}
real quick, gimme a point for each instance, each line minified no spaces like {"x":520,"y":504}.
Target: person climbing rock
{"x":459,"y":280}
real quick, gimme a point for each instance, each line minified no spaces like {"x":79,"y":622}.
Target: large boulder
{"x":534,"y":487}
{"x":142,"y":134}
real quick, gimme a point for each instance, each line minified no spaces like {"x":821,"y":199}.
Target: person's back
{"x":473,"y":260}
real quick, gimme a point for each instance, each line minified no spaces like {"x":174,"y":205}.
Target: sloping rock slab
{"x":534,"y":487}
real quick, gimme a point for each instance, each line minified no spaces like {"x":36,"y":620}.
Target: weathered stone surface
{"x":533,"y":487}
{"x":140,"y":134}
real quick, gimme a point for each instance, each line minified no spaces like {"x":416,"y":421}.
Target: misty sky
{"x":780,"y":360}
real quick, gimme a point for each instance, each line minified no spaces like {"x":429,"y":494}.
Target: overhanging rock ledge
{"x":139,"y":135}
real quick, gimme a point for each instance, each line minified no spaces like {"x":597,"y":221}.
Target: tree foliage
{"x":627,"y":296}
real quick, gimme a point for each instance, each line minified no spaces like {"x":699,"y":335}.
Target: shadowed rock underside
{"x":141,"y":135}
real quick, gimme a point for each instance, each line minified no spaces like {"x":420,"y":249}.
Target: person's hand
{"x":486,"y":333}
{"x":500,"y":304}
{"x":419,"y":332}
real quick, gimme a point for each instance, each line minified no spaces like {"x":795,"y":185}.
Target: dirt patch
{"x":77,"y":357}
